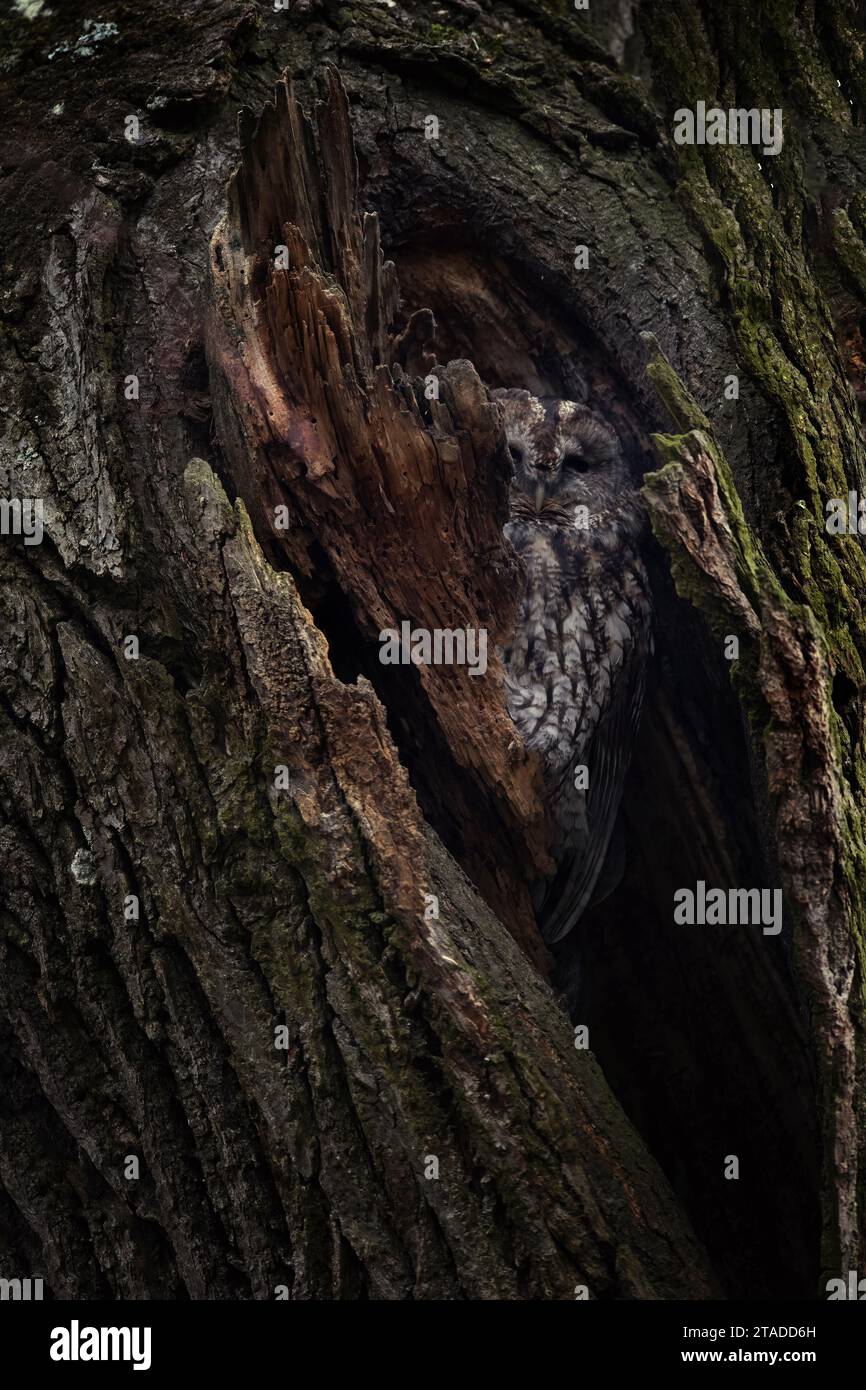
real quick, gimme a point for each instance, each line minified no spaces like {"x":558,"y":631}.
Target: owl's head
{"x":564,"y":457}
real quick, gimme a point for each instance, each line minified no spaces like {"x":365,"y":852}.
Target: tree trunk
{"x":276,"y":1017}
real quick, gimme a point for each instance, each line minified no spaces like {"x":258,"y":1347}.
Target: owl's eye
{"x":575,"y":461}
{"x":517,"y":451}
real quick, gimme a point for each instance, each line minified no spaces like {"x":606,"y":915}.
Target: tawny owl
{"x":576,"y":663}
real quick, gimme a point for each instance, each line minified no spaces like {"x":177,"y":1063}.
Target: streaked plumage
{"x":576,"y":663}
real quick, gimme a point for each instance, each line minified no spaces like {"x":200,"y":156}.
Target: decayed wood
{"x":405,"y":495}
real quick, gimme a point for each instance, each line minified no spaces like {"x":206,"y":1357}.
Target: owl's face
{"x":564,"y":457}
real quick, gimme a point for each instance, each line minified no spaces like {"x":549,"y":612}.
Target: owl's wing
{"x":607,"y":757}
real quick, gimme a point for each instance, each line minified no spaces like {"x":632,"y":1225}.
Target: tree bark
{"x":276,"y":1018}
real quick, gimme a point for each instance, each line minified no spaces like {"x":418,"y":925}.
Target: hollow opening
{"x":699,"y":1029}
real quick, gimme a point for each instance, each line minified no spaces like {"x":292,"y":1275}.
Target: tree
{"x":276,"y":1017}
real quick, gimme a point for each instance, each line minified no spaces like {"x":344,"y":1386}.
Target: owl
{"x":576,"y":662}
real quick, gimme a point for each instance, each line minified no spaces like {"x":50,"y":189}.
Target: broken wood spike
{"x":400,"y":500}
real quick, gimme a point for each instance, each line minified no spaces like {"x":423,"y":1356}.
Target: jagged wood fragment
{"x":405,"y":497}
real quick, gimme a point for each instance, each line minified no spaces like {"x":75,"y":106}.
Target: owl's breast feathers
{"x":575,"y":672}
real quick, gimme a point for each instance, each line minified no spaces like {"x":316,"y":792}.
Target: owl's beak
{"x":539,"y":498}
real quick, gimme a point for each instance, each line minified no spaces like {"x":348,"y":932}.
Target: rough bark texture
{"x":296,"y":902}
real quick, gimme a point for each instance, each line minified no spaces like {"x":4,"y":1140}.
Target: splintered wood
{"x":399,"y":499}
